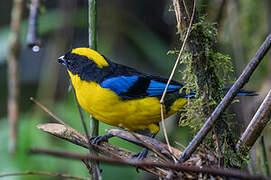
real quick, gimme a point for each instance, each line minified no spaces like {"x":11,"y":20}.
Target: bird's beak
{"x":61,"y":60}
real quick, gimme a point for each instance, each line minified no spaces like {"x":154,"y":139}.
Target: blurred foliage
{"x":135,"y":33}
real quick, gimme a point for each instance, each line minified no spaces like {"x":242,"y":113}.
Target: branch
{"x":109,"y":150}
{"x":42,"y":173}
{"x":45,"y":109}
{"x":144,"y":163}
{"x":257,"y":124}
{"x":64,"y":131}
{"x":12,"y":78}
{"x":241,"y":81}
{"x":151,"y":142}
{"x":201,"y":159}
{"x":92,"y":21}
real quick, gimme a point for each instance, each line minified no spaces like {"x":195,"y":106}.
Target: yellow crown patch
{"x":92,"y":55}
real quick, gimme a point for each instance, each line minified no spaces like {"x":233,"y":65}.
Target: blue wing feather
{"x":119,"y":84}
{"x":139,"y":86}
{"x":157,"y":88}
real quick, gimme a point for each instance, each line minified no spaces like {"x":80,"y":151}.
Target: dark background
{"x":134,"y":33}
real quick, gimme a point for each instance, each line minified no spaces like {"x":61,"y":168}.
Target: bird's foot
{"x":141,"y":155}
{"x":98,"y":139}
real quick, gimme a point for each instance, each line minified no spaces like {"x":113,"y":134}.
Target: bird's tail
{"x":242,"y":92}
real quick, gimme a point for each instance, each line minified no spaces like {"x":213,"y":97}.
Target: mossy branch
{"x":202,"y":70}
{"x":241,"y":81}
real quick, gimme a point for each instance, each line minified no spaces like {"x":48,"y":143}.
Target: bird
{"x":121,"y":96}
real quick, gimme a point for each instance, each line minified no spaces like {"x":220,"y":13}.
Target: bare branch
{"x":145,"y":163}
{"x":45,"y":109}
{"x":257,"y":124}
{"x":42,"y":173}
{"x":73,"y":136}
{"x":155,"y":144}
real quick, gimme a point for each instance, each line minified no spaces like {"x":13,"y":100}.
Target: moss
{"x":217,"y":64}
{"x":206,"y":70}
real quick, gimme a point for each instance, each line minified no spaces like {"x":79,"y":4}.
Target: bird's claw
{"x":98,"y":139}
{"x":140,"y":156}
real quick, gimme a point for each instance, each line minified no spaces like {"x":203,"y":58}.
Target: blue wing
{"x":119,"y":84}
{"x":157,"y":88}
{"x":139,"y":86}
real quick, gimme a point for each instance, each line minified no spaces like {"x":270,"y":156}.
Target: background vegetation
{"x":135,"y":33}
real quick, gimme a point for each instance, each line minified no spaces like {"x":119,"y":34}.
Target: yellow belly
{"x":106,"y":106}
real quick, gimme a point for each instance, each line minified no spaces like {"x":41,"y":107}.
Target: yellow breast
{"x":106,"y":106}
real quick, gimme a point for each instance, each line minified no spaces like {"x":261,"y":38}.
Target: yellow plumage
{"x":106,"y":106}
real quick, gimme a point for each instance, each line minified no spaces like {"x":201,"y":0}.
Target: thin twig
{"x":143,"y":163}
{"x":218,"y":150}
{"x":171,"y":76}
{"x":241,"y":81}
{"x":165,"y":133}
{"x":180,"y":144}
{"x":179,"y":56}
{"x":186,"y":10}
{"x":86,"y":163}
{"x":257,"y":124}
{"x":92,"y":21}
{"x":176,"y":5}
{"x":45,"y":109}
{"x":12,"y":70}
{"x":66,"y":125}
{"x":42,"y":173}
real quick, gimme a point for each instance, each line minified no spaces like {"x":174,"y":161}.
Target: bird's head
{"x":78,"y":58}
